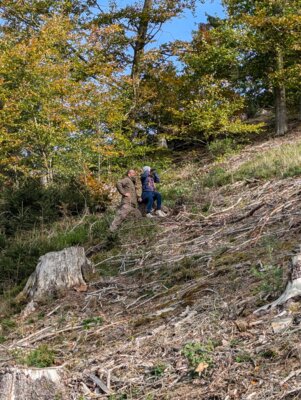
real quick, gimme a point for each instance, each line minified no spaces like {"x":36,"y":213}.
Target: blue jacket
{"x":148,"y":181}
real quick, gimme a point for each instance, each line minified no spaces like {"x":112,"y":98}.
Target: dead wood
{"x":57,"y":272}
{"x":32,"y":384}
{"x":293,"y":287}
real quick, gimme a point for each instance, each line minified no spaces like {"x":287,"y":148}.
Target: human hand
{"x":139,"y":199}
{"x":127,"y":195}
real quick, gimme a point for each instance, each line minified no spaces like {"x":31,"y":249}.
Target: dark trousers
{"x":149,"y":198}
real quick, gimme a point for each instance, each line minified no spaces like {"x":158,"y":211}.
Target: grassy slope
{"x":174,"y":295}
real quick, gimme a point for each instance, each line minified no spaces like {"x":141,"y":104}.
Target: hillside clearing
{"x":178,"y":296}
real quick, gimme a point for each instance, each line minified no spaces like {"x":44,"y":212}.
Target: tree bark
{"x":280,"y":98}
{"x":31,"y":384}
{"x":141,"y":38}
{"x":57,"y":272}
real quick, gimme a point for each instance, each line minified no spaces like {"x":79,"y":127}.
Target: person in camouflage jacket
{"x":127,"y":187}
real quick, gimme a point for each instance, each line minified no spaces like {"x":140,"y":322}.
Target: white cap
{"x":146,"y":169}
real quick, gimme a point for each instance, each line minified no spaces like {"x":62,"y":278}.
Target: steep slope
{"x":175,"y":318}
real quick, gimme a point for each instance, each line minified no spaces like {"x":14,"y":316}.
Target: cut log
{"x":31,"y":384}
{"x":57,"y":272}
{"x":293,"y":287}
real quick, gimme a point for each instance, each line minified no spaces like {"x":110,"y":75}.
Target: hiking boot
{"x":149,"y":215}
{"x":160,"y":213}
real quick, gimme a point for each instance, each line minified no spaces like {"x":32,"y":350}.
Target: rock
{"x":55,"y":273}
{"x":31,"y":384}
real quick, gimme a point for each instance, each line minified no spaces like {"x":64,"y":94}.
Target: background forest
{"x":83,"y":96}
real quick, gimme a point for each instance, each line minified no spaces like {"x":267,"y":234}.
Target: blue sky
{"x":181,"y":28}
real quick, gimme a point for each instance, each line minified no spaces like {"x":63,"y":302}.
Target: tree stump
{"x":31,"y":384}
{"x":56,"y":272}
{"x":293,"y":287}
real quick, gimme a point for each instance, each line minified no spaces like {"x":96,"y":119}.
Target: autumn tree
{"x":58,"y":98}
{"x":139,"y":24}
{"x":209,"y":102}
{"x":272,"y":33}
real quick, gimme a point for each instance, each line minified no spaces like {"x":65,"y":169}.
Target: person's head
{"x":131,"y":173}
{"x":146,"y":169}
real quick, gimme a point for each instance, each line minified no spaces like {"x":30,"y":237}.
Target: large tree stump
{"x":56,"y":272}
{"x":31,"y":384}
{"x":293,"y":287}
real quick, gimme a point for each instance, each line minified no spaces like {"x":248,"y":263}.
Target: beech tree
{"x":54,"y":104}
{"x":139,"y":24}
{"x":210,"y":104}
{"x":272,"y":32}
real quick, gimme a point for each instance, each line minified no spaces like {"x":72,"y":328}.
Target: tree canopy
{"x":81,"y":87}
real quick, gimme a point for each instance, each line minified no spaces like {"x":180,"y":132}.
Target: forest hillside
{"x":169,"y":312}
{"x":184,"y":305}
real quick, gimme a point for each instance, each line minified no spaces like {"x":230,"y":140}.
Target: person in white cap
{"x":149,"y":178}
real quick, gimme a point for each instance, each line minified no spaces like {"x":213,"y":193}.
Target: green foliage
{"x":34,"y":204}
{"x":20,"y":256}
{"x":197,"y":353}
{"x":268,"y":354}
{"x":282,"y":162}
{"x":2,"y":339}
{"x":243,"y":357}
{"x":118,"y":397}
{"x":270,"y":279}
{"x":7,"y":325}
{"x":215,"y":113}
{"x":271,"y":34}
{"x":220,"y":148}
{"x":92,"y":321}
{"x":217,"y":176}
{"x":158,"y":370}
{"x":175,"y":195}
{"x":41,"y":357}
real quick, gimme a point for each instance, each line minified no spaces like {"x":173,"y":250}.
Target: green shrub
{"x":268,"y":354}
{"x":158,"y":370}
{"x":7,"y":324}
{"x":281,"y":162}
{"x":270,"y":279}
{"x":33,"y":204}
{"x":20,"y":257}
{"x":197,"y":353}
{"x":3,"y":241}
{"x":89,"y":322}
{"x":42,"y":357}
{"x":176,"y":194}
{"x":2,"y":339}
{"x":217,"y":176}
{"x":243,"y":357}
{"x":223,"y":147}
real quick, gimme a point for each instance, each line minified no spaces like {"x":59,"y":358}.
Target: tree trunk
{"x":31,"y":384}
{"x":57,"y":272}
{"x":141,"y":38}
{"x":293,"y":287}
{"x":280,"y":99}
